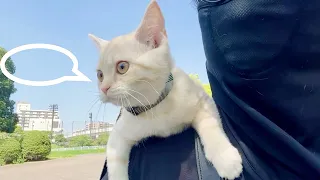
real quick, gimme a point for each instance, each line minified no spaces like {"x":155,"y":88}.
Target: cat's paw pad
{"x":228,"y":163}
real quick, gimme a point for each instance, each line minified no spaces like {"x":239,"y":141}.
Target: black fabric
{"x":263,"y":64}
{"x":170,"y":158}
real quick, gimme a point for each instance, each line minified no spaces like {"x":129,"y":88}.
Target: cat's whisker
{"x":122,"y":104}
{"x":145,"y":98}
{"x":135,"y":99}
{"x":145,"y":107}
{"x":140,"y":94}
{"x":95,"y":102}
{"x":150,"y":85}
{"x":104,"y":112}
{"x":118,"y":99}
{"x":129,"y":104}
{"x":98,"y":111}
{"x":121,"y":89}
{"x":126,"y":104}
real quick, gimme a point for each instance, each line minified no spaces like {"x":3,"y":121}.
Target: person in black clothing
{"x":263,"y":64}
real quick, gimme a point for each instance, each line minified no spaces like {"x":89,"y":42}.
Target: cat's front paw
{"x":228,"y":163}
{"x":118,"y":173}
{"x":118,"y":177}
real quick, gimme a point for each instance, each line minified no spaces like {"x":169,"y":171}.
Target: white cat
{"x":137,"y":70}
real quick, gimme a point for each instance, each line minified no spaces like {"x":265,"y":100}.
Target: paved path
{"x":84,"y":167}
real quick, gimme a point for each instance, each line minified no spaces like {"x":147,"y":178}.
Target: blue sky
{"x":67,"y":24}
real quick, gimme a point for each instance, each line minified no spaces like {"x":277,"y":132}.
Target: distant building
{"x":98,"y":125}
{"x":22,"y":106}
{"x":40,"y":120}
{"x":97,"y":128}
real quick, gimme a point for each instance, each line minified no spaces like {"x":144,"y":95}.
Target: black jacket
{"x":263,"y":64}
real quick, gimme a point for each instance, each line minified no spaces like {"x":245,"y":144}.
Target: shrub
{"x":10,"y":151}
{"x":18,"y":130}
{"x":82,"y":140}
{"x":36,"y":145}
{"x":102,"y":139}
{"x":3,"y":136}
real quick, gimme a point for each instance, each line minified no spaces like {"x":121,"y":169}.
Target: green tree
{"x":82,"y":140}
{"x":102,"y":139}
{"x":206,"y":86}
{"x":60,"y":139}
{"x":8,"y":119}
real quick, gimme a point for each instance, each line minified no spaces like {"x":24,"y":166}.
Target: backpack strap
{"x":104,"y":175}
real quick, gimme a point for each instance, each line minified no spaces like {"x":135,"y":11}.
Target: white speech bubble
{"x":79,"y":76}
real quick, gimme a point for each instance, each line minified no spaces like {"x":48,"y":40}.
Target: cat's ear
{"x":152,"y":28}
{"x":98,"y":41}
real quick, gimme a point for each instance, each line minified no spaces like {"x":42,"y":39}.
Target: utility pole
{"x":90,"y":125}
{"x":72,"y":129}
{"x":53,"y":108}
{"x":85,"y":127}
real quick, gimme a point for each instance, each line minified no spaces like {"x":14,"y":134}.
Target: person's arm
{"x":247,"y":35}
{"x":263,"y":66}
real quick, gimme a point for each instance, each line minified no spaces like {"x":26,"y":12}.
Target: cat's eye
{"x":122,"y":67}
{"x":100,"y":75}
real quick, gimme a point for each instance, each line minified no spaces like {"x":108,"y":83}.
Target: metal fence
{"x":79,"y":148}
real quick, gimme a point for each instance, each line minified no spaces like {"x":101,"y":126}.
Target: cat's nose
{"x":105,"y":89}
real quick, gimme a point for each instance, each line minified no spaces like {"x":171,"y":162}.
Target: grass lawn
{"x":72,"y":153}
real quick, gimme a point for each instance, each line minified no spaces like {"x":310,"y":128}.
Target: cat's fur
{"x":147,"y":51}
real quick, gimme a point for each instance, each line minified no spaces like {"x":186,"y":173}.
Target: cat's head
{"x":133,"y":68}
